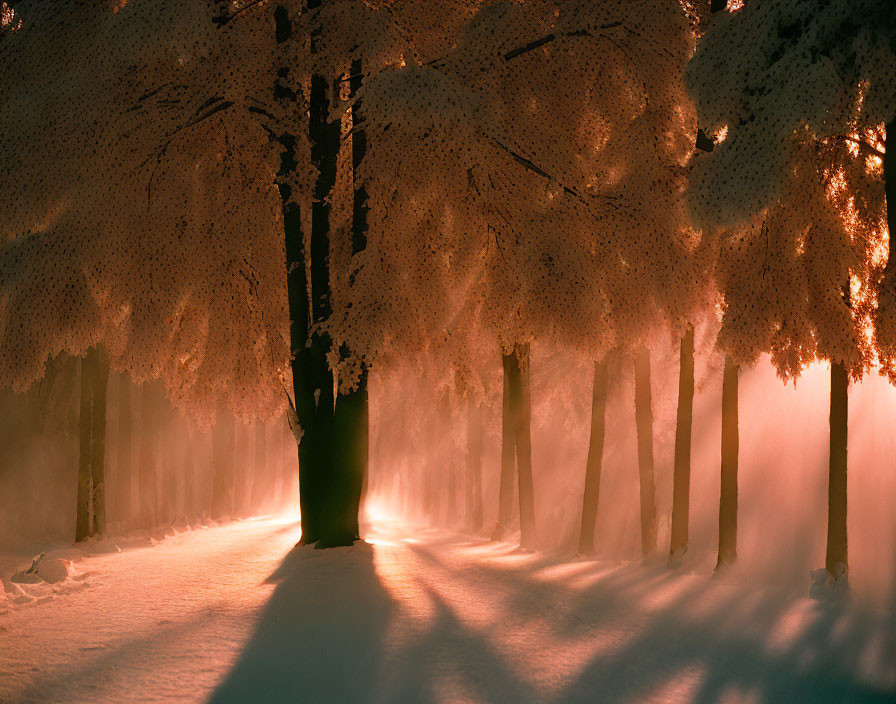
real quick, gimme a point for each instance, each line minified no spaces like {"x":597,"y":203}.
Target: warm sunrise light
{"x":447,"y":351}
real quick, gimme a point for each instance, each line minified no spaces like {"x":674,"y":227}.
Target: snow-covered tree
{"x":795,"y":95}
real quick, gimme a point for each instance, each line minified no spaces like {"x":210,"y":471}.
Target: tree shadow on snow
{"x":320,"y":636}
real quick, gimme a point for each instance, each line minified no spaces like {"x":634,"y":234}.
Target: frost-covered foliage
{"x":794,"y":94}
{"x":527,"y":183}
{"x":140,"y":207}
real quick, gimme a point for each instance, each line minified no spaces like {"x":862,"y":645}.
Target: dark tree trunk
{"x":125,"y":448}
{"x":475,"y":445}
{"x":100,"y":379}
{"x":681,"y":479}
{"x":516,"y":441}
{"x":223,"y":448}
{"x":644,"y":421}
{"x":85,"y":420}
{"x":91,"y":509}
{"x":890,"y":181}
{"x":149,"y":439}
{"x":728,"y":493}
{"x":528,"y":538}
{"x":508,"y":457}
{"x":595,"y":459}
{"x":836,"y":560}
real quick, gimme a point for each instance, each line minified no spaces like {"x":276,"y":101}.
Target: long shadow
{"x":321,"y":636}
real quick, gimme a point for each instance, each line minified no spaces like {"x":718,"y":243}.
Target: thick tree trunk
{"x":890,"y":182}
{"x":728,"y":493}
{"x":508,"y":456}
{"x":595,"y":459}
{"x":644,"y":421}
{"x":475,"y":445}
{"x":223,"y":448}
{"x":836,"y":560}
{"x":148,"y":478}
{"x":681,"y":479}
{"x":124,"y":468}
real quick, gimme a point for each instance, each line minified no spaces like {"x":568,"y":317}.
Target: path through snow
{"x":235,"y":614}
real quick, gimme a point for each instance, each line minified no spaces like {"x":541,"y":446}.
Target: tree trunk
{"x":475,"y":444}
{"x":91,"y":507}
{"x":528,"y":538}
{"x":100,"y":381}
{"x":836,"y":560}
{"x":83,"y":523}
{"x":728,"y":494}
{"x":644,"y":420}
{"x":149,"y":439}
{"x":125,"y":448}
{"x":595,"y":459}
{"x":890,"y":181}
{"x":223,"y":449}
{"x":260,"y":474}
{"x":681,"y":480}
{"x":508,"y":455}
{"x":189,"y":474}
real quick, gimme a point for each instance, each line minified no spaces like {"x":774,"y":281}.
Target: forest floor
{"x":235,"y":613}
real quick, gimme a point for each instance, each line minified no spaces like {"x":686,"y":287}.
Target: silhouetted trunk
{"x":149,"y":438}
{"x":528,"y":537}
{"x":595,"y":459}
{"x":836,"y":560}
{"x":508,"y":458}
{"x":125,"y":452}
{"x":644,"y":421}
{"x":85,"y":419}
{"x":730,"y":442}
{"x":91,"y":515}
{"x":475,"y":446}
{"x":223,"y":449}
{"x":890,"y":181}
{"x":681,"y":478}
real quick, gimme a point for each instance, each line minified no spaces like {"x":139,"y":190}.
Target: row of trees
{"x":442,"y":178}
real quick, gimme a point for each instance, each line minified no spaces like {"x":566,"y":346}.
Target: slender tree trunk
{"x":475,"y":444}
{"x":149,"y":439}
{"x":595,"y":459}
{"x":83,"y":523}
{"x":730,"y":442}
{"x":189,"y":474}
{"x":125,"y":453}
{"x":508,"y":455}
{"x":100,"y":381}
{"x":681,"y":480}
{"x":260,"y":475}
{"x":836,"y":560}
{"x":91,"y":508}
{"x":528,"y":537}
{"x":223,"y":449}
{"x":644,"y":420}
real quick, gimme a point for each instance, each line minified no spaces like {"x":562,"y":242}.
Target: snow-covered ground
{"x":235,"y":614}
